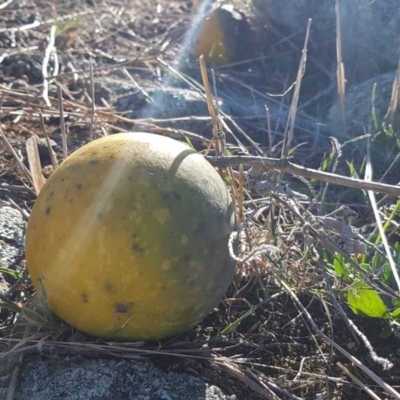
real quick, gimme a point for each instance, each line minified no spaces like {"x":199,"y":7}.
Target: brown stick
{"x":285,"y":165}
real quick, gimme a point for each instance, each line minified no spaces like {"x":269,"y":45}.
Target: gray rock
{"x":358,"y":107}
{"x":369,"y":29}
{"x":78,"y":378}
{"x":179,"y":108}
{"x":12,"y":225}
{"x":12,"y":234}
{"x":187,"y":109}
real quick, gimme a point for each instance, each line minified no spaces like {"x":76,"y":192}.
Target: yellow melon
{"x":128,"y":238}
{"x":224,"y":37}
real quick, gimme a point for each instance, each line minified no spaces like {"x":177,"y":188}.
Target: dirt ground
{"x":50,"y":51}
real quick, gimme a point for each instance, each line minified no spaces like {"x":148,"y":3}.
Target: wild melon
{"x":224,"y":37}
{"x":128,"y":239}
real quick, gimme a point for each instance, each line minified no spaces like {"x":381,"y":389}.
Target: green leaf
{"x":293,"y":149}
{"x":353,"y":172}
{"x":365,"y":301}
{"x":377,"y":261}
{"x":10,"y":272}
{"x":397,"y":250}
{"x":325,"y":163}
{"x":386,"y":331}
{"x":396,"y":314}
{"x":11,"y":307}
{"x":396,"y":303}
{"x":327,"y":256}
{"x":340,"y":268}
{"x":364,"y":266}
{"x":189,"y":142}
{"x":235,"y":323}
{"x":373,"y":110}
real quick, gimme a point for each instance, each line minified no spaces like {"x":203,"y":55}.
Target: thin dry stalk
{"x":288,"y":136}
{"x":210,"y":105}
{"x":240,"y":197}
{"x":340,"y":76}
{"x":15,"y":155}
{"x":93,"y":105}
{"x":118,"y":349}
{"x":387,"y":388}
{"x":269,"y":130}
{"x":12,"y":386}
{"x":285,"y":165}
{"x":372,"y":199}
{"x":199,"y":89}
{"x":358,"y":381}
{"x":45,"y":65}
{"x":35,"y":165}
{"x":227,"y":366}
{"x":5,"y":4}
{"x":24,"y":213}
{"x":52,"y":155}
{"x":62,"y":122}
{"x":394,"y":99}
{"x":144,"y":93}
{"x":388,"y":170}
{"x":262,"y":379}
{"x":49,"y":21}
{"x":218,"y":114}
{"x":17,"y":369}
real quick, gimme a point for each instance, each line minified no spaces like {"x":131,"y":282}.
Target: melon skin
{"x":224,"y":37}
{"x":128,"y":239}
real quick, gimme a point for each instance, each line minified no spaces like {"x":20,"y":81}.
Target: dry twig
{"x":285,"y":165}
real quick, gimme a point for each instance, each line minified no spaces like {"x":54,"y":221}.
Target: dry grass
{"x":283,"y":329}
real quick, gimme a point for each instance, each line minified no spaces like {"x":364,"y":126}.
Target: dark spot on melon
{"x":137,"y":247}
{"x":135,"y":235}
{"x":73,"y":167}
{"x":109,"y":287}
{"x":100,"y":216}
{"x":164,"y":196}
{"x":191,"y":283}
{"x":177,"y":196}
{"x":201,"y":228}
{"x":79,"y":186}
{"x":48,"y":210}
{"x":211,"y":247}
{"x":84,"y":298}
{"x":121,"y":308}
{"x":93,"y":161}
{"x":186,"y":258}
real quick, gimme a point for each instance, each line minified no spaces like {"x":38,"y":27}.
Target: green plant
{"x":367,"y":300}
{"x":64,"y":28}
